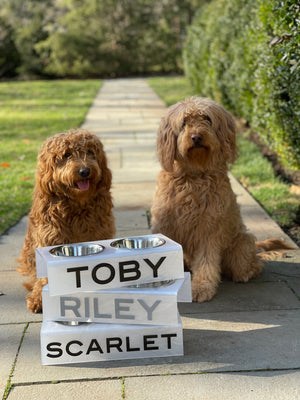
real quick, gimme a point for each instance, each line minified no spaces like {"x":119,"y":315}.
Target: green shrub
{"x":277,"y":86}
{"x":245,"y":55}
{"x":9,"y":56}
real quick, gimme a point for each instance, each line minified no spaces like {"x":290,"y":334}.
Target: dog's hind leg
{"x":240,"y":262}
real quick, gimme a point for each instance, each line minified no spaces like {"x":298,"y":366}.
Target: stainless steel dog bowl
{"x":76,"y":250}
{"x":71,"y":323}
{"x":153,"y":284}
{"x":140,"y":242}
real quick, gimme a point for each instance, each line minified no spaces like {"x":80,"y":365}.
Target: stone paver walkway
{"x":244,"y":344}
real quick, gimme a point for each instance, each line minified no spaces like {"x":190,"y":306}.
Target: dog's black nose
{"x":196,"y":139}
{"x":84,"y":172}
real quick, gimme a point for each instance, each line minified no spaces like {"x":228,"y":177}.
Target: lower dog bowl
{"x":76,"y":250}
{"x":153,"y":284}
{"x":140,"y":242}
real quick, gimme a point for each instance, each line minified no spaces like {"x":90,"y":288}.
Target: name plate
{"x":63,"y":344}
{"x":147,"y":304}
{"x":93,"y":266}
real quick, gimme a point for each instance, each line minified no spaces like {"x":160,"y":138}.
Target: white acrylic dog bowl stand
{"x":112,"y":299}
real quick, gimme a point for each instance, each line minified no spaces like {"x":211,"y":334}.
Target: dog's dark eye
{"x":67,"y":155}
{"x":206,"y":118}
{"x":183,"y":124}
{"x":91,"y":153}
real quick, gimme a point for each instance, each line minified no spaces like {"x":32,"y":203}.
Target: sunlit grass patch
{"x":172,"y":89}
{"x":257,"y":175}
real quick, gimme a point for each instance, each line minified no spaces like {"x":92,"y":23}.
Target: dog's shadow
{"x":245,"y":327}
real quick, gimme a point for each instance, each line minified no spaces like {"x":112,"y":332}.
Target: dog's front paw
{"x":34,"y":304}
{"x":202,"y":292}
{"x":244,"y":275}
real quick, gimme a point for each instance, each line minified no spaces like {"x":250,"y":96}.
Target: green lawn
{"x":170,"y":89}
{"x":251,"y":168}
{"x":29,"y":113}
{"x":257,"y":175}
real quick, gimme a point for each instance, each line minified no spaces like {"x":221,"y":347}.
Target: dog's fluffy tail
{"x":272,"y":248}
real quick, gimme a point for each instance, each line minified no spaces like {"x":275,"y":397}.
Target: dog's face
{"x":196,"y":134}
{"x":73,"y":165}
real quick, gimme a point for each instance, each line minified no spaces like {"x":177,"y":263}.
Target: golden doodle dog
{"x":194,"y":204}
{"x":71,"y":202}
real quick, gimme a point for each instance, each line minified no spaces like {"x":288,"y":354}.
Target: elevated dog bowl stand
{"x":112,"y":299}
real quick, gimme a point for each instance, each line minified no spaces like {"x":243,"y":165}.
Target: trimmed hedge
{"x":245,"y":55}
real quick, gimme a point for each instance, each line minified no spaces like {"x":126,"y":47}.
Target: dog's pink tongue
{"x":84,"y":184}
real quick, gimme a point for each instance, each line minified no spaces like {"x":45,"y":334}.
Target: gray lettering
{"x":74,"y":307}
{"x":96,"y":310}
{"x":87,"y":307}
{"x":148,"y":309}
{"x":119,"y":308}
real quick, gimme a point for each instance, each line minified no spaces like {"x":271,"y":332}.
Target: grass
{"x":170,"y":90}
{"x":29,"y":113}
{"x":257,"y":175}
{"x":251,"y":168}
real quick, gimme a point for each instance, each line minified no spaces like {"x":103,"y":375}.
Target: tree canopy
{"x":83,"y":38}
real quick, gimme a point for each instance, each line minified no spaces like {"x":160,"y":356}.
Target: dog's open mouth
{"x":198,"y":147}
{"x":83,"y":185}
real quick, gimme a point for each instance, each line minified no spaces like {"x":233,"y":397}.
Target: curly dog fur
{"x":71,"y":201}
{"x":194,"y":203}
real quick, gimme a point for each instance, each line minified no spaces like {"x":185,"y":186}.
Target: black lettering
{"x":155,"y":266}
{"x":110,"y":344}
{"x":77,"y":271}
{"x":74,"y":307}
{"x":128,"y":348}
{"x":168,"y":336}
{"x":148,"y":342}
{"x":68,"y":350}
{"x":124,"y":271}
{"x":104,"y":281}
{"x":92,"y":348}
{"x":58,"y":350}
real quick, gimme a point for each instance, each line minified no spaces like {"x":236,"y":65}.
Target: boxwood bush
{"x":245,"y":55}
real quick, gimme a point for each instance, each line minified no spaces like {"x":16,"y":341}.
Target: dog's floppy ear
{"x":227,"y":130}
{"x":166,"y":143}
{"x":106,"y":176}
{"x":224,"y":126}
{"x":45,"y":167}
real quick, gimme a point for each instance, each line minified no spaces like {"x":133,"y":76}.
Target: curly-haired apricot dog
{"x":71,"y":201}
{"x":194,"y":203}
